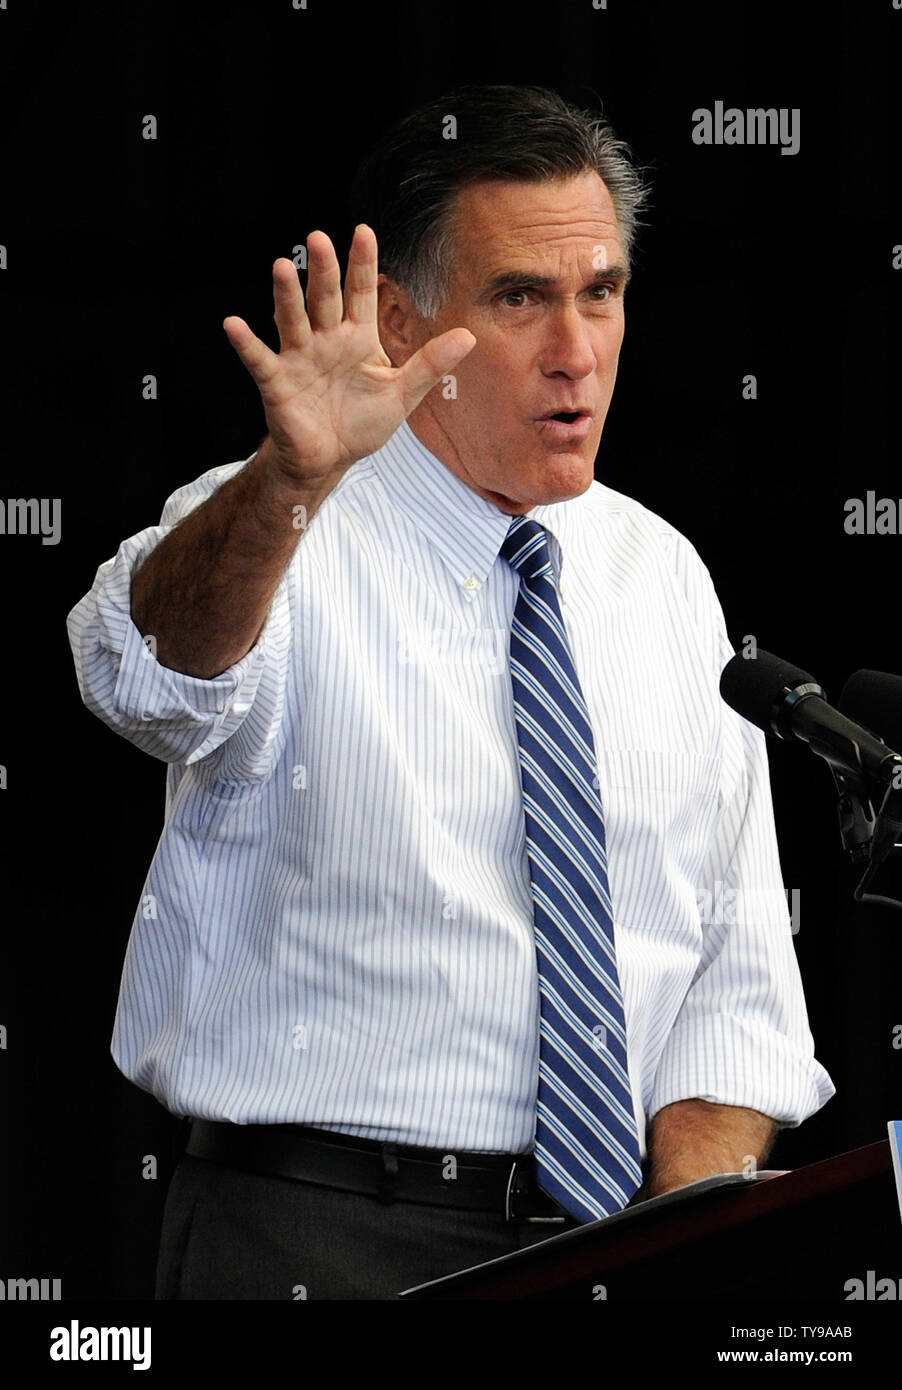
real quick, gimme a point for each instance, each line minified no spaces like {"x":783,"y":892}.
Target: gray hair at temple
{"x":406,"y":188}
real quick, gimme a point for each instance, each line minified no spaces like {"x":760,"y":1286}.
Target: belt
{"x":504,"y":1183}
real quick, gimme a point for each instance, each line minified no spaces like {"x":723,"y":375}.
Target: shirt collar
{"x":466,"y":529}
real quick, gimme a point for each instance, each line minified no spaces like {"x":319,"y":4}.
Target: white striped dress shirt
{"x":336,"y":927}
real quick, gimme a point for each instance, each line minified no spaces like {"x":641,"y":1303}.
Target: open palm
{"x":331,"y":396}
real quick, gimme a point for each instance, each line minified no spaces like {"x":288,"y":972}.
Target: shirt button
{"x":471,"y":583}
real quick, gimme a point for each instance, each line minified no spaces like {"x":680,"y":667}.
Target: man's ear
{"x":397,"y":320}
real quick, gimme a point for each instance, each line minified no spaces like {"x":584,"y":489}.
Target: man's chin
{"x":561,"y":477}
{"x":545,"y":491}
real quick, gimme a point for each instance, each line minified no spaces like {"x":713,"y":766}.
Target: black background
{"x":124,"y":255}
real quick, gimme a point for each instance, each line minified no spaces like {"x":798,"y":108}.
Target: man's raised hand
{"x":331,"y":395}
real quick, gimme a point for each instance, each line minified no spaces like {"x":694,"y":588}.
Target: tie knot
{"x":525,"y":548}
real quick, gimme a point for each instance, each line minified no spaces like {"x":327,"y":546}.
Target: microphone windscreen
{"x":752,"y":686}
{"x":874,"y":699}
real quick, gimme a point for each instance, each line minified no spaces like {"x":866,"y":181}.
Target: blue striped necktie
{"x":587,"y":1149}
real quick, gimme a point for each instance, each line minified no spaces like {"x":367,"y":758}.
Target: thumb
{"x":431,"y":362}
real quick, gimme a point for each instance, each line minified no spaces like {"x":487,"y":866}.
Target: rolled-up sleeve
{"x":177,"y":718}
{"x":741,"y":1036}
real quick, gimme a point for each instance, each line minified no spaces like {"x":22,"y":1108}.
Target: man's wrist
{"x":285,"y":482}
{"x":275,"y":494}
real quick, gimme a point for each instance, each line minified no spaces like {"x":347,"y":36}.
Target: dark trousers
{"x":228,"y":1233}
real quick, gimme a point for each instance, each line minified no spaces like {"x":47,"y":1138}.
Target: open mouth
{"x":570,"y":425}
{"x":565,"y":417}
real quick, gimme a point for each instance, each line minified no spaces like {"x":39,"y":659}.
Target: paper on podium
{"x":679,"y":1197}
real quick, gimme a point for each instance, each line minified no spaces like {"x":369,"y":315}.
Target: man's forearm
{"x":203,"y":593}
{"x":692,"y":1139}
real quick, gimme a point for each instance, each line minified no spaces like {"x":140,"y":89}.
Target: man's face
{"x":538,"y":278}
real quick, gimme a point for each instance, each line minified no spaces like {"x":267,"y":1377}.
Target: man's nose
{"x":569,"y":348}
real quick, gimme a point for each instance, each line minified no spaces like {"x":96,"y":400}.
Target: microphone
{"x":783,"y":699}
{"x":874,"y":698}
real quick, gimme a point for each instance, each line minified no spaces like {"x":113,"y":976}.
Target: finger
{"x":324,"y":305}
{"x":288,"y":298}
{"x":431,"y":362}
{"x":361,"y":296}
{"x":256,"y":356}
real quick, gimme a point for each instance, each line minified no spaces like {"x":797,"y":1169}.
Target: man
{"x":425,"y":961}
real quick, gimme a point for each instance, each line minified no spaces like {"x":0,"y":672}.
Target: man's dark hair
{"x":406,"y":188}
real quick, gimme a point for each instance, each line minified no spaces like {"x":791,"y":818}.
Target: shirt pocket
{"x":676,"y":773}
{"x":660,"y":810}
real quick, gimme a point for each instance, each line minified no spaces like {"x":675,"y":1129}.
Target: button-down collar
{"x":466,"y":529}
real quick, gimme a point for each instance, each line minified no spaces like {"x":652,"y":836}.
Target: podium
{"x":797,"y":1235}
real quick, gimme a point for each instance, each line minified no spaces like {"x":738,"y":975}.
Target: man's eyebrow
{"x":618,"y":274}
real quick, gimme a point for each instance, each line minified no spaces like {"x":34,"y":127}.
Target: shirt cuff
{"x":145,"y":691}
{"x":730,"y":1060}
{"x":149,"y":691}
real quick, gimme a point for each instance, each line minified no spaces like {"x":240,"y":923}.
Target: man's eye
{"x":601,"y":294}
